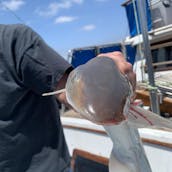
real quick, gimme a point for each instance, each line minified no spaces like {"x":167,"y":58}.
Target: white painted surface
{"x":160,"y":157}
{"x":91,"y":142}
{"x":154,"y":35}
{"x":158,"y":135}
{"x":155,"y":134}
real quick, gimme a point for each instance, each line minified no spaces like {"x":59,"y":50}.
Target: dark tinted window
{"x":162,"y":58}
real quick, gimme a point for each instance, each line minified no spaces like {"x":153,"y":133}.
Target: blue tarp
{"x":130,"y":53}
{"x":81,"y":56}
{"x":110,"y":48}
{"x":132,"y":20}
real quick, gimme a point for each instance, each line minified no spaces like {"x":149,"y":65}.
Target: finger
{"x":124,"y":67}
{"x":128,"y":67}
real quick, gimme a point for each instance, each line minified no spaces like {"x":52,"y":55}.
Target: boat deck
{"x":164,"y":83}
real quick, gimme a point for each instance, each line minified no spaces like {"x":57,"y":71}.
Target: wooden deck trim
{"x":90,"y":156}
{"x":145,"y":140}
{"x":155,"y":142}
{"x":166,"y":105}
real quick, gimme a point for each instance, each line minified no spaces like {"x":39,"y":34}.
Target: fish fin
{"x":141,"y":118}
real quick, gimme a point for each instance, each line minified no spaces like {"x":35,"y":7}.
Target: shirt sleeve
{"x":41,"y":67}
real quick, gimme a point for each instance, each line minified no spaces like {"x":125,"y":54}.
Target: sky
{"x":68,"y":24}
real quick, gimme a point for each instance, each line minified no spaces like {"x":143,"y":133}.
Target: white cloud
{"x":89,"y":27}
{"x":12,"y":4}
{"x":64,"y":19}
{"x":65,"y":4}
{"x":78,"y":1}
{"x":54,"y":7}
{"x":51,"y":10}
{"x":101,"y":0}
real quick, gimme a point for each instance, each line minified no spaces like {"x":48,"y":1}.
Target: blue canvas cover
{"x":110,"y":48}
{"x":82,"y":55}
{"x":132,"y":20}
{"x":130,"y":53}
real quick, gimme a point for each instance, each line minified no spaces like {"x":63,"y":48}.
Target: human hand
{"x":124,"y":67}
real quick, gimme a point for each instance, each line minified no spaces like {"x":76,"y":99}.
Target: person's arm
{"x":40,"y":68}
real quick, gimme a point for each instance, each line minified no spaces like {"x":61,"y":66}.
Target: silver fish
{"x":100,"y":93}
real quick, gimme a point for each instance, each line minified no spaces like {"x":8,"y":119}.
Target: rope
{"x":152,"y":88}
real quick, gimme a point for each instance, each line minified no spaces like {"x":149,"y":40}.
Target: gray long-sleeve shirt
{"x":31,"y":135}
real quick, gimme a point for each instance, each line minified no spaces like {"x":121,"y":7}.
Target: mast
{"x":148,"y":56}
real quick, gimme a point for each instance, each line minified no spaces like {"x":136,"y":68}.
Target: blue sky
{"x":67,"y":24}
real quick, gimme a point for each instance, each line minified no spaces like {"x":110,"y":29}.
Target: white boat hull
{"x":84,"y":135}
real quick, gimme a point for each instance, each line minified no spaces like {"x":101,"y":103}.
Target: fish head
{"x":99,"y":92}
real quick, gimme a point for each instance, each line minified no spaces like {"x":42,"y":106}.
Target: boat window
{"x":162,"y":58}
{"x":83,"y":161}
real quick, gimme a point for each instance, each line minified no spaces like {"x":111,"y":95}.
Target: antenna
{"x":13,"y":13}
